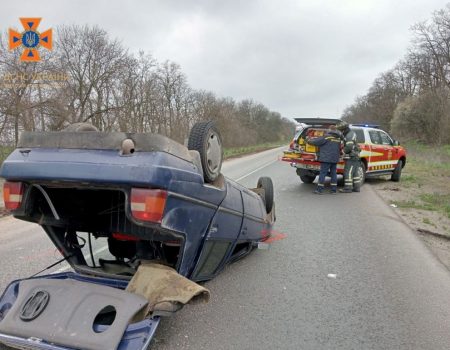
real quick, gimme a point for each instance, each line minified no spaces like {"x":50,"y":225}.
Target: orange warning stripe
{"x":381,"y":167}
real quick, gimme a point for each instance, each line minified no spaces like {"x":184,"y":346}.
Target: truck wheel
{"x":266,"y":184}
{"x":80,"y":127}
{"x":205,"y":138}
{"x":397,"y":172}
{"x":307,"y":179}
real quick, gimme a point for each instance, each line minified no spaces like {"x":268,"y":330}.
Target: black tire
{"x":75,"y":127}
{"x":205,"y":138}
{"x":396,"y":175}
{"x":305,"y":176}
{"x":266,"y":184}
{"x":362,"y":173}
{"x":307,"y":179}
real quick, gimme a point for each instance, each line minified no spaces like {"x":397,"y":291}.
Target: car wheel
{"x":75,"y":127}
{"x":362,"y":173}
{"x":266,"y":184}
{"x":205,"y":138}
{"x":306,"y":176}
{"x":397,"y":172}
{"x":307,"y":179}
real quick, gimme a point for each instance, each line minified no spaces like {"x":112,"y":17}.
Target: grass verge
{"x":426,"y":178}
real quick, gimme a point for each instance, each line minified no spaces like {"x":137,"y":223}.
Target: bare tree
{"x":116,"y":90}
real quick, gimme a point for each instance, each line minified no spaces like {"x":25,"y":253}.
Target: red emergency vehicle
{"x":380,"y":153}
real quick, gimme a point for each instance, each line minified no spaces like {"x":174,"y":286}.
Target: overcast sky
{"x":303,"y":58}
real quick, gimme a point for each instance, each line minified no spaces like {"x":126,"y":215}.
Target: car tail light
{"x":12,"y":194}
{"x":148,"y":205}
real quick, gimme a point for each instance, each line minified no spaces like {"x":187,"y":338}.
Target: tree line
{"x":90,"y":77}
{"x":412,"y":99}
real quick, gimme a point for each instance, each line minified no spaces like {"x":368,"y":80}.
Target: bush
{"x":424,"y":118}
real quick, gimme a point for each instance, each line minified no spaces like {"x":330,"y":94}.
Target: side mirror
{"x":396,"y":143}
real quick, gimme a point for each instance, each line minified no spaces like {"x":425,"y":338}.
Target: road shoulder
{"x":431,"y":226}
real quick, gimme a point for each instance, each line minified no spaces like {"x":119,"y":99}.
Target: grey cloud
{"x":296,"y":57}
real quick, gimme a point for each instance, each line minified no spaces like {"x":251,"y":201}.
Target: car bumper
{"x":137,"y":336}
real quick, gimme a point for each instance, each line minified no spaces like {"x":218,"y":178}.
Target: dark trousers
{"x":324,"y":168}
{"x":352,"y":178}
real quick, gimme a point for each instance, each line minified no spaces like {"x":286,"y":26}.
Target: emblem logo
{"x":34,"y":306}
{"x":30,"y":39}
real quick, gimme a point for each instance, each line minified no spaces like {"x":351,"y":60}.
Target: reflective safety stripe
{"x":333,"y":184}
{"x":384,"y":162}
{"x":350,"y":173}
{"x":321,"y":185}
{"x":382,"y":167}
{"x":349,"y":143}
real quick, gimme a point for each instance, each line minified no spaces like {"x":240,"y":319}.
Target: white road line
{"x":257,"y":169}
{"x":99,"y":250}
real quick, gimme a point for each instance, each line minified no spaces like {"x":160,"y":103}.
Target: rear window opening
{"x":309,"y":132}
{"x":318,"y":132}
{"x":122,"y":257}
{"x":90,"y":226}
{"x":78,"y":208}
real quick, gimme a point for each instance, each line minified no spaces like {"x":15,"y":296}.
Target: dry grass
{"x":423,"y":193}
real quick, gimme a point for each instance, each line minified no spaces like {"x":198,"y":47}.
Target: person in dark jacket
{"x":329,"y":152}
{"x":352,"y":174}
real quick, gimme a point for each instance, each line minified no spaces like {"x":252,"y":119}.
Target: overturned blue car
{"x":139,"y":217}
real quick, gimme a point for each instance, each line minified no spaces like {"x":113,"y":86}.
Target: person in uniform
{"x":329,"y":153}
{"x":352,"y":177}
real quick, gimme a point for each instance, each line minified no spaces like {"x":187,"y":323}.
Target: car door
{"x":381,"y":151}
{"x":223,"y":233}
{"x":389,"y":151}
{"x":377,"y":151}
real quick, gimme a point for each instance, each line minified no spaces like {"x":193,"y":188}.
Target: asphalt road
{"x":389,"y":291}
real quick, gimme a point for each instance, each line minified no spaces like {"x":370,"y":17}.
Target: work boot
{"x":356,"y":189}
{"x":318,"y":190}
{"x":333,"y":189}
{"x":346,"y":190}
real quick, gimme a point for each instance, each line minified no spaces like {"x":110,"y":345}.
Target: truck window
{"x":359,"y":135}
{"x":385,"y":139}
{"x":375,"y":137}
